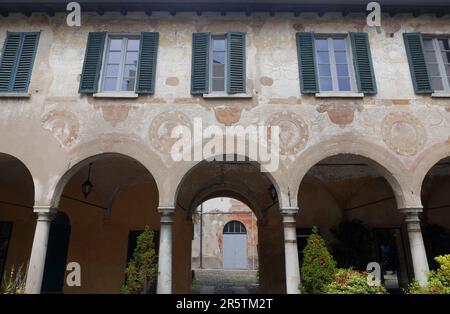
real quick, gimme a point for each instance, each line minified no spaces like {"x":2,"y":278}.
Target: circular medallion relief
{"x":403,"y":133}
{"x":293,"y":131}
{"x":161,"y":128}
{"x":63,"y":125}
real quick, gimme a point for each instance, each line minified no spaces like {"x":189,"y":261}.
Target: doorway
{"x":234,"y":246}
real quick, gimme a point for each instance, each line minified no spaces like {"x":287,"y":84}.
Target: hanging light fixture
{"x":87,"y":185}
{"x":273,"y":193}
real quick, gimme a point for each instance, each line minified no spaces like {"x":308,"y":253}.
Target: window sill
{"x":15,"y":95}
{"x":340,"y":95}
{"x":440,"y":95}
{"x":116,"y":95}
{"x":225,"y":95}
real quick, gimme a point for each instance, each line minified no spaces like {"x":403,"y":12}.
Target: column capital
{"x":412,"y":218}
{"x":166,"y":214}
{"x":289,"y":216}
{"x":44,"y":212}
{"x":289,"y":211}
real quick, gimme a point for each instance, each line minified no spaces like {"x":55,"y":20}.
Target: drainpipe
{"x":201,"y":236}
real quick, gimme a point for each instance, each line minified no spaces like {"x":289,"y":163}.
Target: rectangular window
{"x":218,"y":63}
{"x":437,"y":58}
{"x":120,"y":64}
{"x":333,"y":58}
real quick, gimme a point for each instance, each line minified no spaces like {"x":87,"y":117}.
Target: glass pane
{"x":342,"y":70}
{"x":433,"y":70}
{"x":344,"y":84}
{"x":133,"y":44}
{"x":115,"y":44}
{"x":430,"y":56}
{"x":323,"y":57}
{"x":428,"y":44}
{"x":112,"y":70}
{"x":114,"y":57}
{"x":443,"y":43}
{"x":341,"y":57}
{"x":129,"y":71}
{"x":321,"y":44}
{"x":110,"y":84}
{"x":326,"y":84}
{"x":446,"y":57}
{"x":218,"y":70}
{"x":447,"y":70}
{"x":436,"y":83}
{"x":128,"y":84}
{"x":218,"y":85}
{"x":131,"y":58}
{"x":339,"y":44}
{"x":324,"y":70}
{"x":219,"y":44}
{"x":219,"y":57}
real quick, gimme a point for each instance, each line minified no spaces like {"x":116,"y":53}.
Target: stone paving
{"x":220,"y":281}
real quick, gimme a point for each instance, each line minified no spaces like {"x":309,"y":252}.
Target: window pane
{"x":323,"y":57}
{"x":447,"y":70}
{"x":428,"y":44}
{"x":129,"y":71}
{"x":115,"y":44}
{"x":321,"y":44}
{"x":219,"y":57}
{"x":218,"y":84}
{"x":219,"y":44}
{"x":110,"y":84}
{"x":324,"y":70}
{"x":344,"y":84}
{"x":339,"y":44}
{"x":430,"y":56}
{"x":433,"y":70}
{"x":133,"y":44}
{"x":114,"y":57}
{"x":342,"y":70}
{"x":326,"y":84}
{"x":436,"y":83}
{"x":443,"y":44}
{"x":446,"y":57}
{"x":218,"y":70}
{"x":112,"y":70}
{"x":131,"y":58}
{"x":128,"y":84}
{"x":341,"y":57}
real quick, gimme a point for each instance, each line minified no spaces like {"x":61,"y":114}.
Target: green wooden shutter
{"x":147,"y":63}
{"x":417,"y":64}
{"x":200,"y":63}
{"x":92,"y":63}
{"x":307,"y":63}
{"x":362,"y":61}
{"x":236,"y":72}
{"x":17,"y":61}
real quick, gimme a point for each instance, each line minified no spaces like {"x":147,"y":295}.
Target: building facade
{"x":88,"y":113}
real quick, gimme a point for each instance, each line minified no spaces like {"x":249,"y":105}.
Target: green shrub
{"x":318,"y":265}
{"x":15,"y":282}
{"x":438,"y":280}
{"x":349,"y":281}
{"x":142,"y":269}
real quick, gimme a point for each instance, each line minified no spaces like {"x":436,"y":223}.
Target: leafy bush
{"x":349,"y":281}
{"x":438,"y":280}
{"x":318,"y":265}
{"x":15,"y":282}
{"x":142,"y":269}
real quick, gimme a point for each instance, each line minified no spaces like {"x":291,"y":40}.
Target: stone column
{"x":417,"y":247}
{"x":35,"y":271}
{"x":291,"y":250}
{"x":165,"y":251}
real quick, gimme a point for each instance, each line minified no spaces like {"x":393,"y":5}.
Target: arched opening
{"x":234,"y":243}
{"x":248,"y":186}
{"x":17,"y":221}
{"x":436,"y":211}
{"x":354,"y":208}
{"x":109,"y":199}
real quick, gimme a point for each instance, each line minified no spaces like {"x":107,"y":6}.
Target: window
{"x":234,"y":227}
{"x":437,"y":58}
{"x":333,"y":59}
{"x":121,"y":63}
{"x":218,"y":64}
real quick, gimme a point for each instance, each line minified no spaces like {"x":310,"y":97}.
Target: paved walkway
{"x":218,"y":281}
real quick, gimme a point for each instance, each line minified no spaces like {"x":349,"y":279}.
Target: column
{"x":35,"y":271}
{"x":165,"y":251}
{"x":290,"y":250}
{"x":417,"y":247}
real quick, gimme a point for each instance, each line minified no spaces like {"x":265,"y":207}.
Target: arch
{"x":377,"y":157}
{"x":234,"y":227}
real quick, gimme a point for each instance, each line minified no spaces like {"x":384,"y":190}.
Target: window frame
{"x":211,"y":63}
{"x":123,"y":51}
{"x":333,"y":67}
{"x":440,"y":62}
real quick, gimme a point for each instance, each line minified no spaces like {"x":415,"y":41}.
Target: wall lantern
{"x":87,"y":185}
{"x":273,"y":193}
